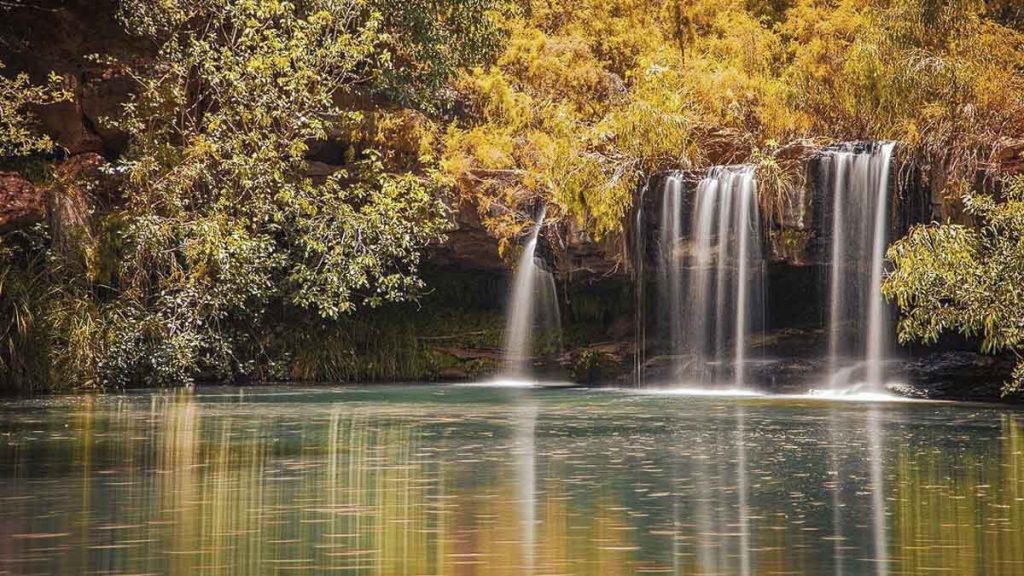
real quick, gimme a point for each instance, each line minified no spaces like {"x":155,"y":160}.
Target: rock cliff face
{"x":62,"y":37}
{"x":468,"y":245}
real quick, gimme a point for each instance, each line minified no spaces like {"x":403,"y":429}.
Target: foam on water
{"x":502,"y":383}
{"x":519,"y":383}
{"x":714,"y":392}
{"x":854,"y":396}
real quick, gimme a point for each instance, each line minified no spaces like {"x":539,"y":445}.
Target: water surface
{"x":460,"y":480}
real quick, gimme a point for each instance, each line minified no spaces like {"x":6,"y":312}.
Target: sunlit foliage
{"x":280,"y":166}
{"x":294,"y":158}
{"x":589,"y":98}
{"x":18,"y":134}
{"x":226,"y":218}
{"x":967,"y":279}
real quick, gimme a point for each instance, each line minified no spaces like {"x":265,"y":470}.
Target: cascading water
{"x":670,"y":269}
{"x":711,"y":284}
{"x":533,"y":308}
{"x":858,"y":319}
{"x":640,"y":287}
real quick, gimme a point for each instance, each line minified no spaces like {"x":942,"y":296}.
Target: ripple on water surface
{"x":465,"y":480}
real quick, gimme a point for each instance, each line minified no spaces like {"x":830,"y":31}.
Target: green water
{"x":448,"y":480}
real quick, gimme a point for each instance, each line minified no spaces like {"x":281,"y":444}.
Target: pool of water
{"x":462,"y":480}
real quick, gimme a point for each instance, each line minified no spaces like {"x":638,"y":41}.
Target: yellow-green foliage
{"x":589,"y":97}
{"x":18,"y":136}
{"x":970,"y":280}
{"x":226,"y":224}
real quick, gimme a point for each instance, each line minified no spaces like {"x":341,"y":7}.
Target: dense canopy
{"x":590,"y":97}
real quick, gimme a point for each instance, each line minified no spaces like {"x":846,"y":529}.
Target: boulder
{"x":21,"y":201}
{"x":65,"y":122}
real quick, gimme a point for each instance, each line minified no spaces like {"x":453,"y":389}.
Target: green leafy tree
{"x":227,"y":228}
{"x":950,"y":277}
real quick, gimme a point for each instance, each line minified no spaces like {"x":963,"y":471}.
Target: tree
{"x":227,"y":229}
{"x":590,"y":97}
{"x":949,"y":277}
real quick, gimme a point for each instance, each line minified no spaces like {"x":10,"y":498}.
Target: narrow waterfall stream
{"x":858,"y":320}
{"x":711,"y":276}
{"x":532,"y":309}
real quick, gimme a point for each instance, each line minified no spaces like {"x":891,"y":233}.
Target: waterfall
{"x":533,"y":304}
{"x":711,"y":286}
{"x":640,"y":289}
{"x":858,"y":319}
{"x":670,"y":269}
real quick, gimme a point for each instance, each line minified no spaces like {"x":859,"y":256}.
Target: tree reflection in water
{"x":429,"y":480}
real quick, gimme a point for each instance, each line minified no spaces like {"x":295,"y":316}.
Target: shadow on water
{"x":447,"y":480}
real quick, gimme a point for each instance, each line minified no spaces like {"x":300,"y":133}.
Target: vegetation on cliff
{"x":18,"y":134}
{"x":287,"y":162}
{"x":225,"y":225}
{"x":589,"y":98}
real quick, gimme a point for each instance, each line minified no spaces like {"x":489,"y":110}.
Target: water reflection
{"x":526,"y":479}
{"x":741,"y":474}
{"x":835,"y":484}
{"x":878,"y":526}
{"x":483,"y":481}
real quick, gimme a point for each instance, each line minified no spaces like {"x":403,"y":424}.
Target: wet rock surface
{"x":958,"y":375}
